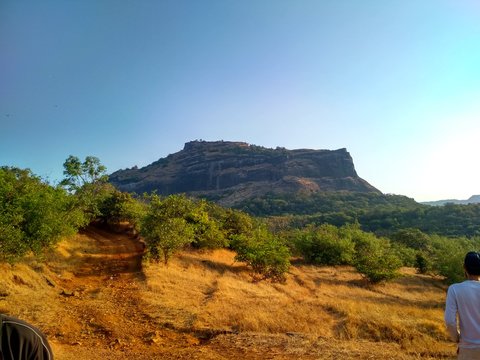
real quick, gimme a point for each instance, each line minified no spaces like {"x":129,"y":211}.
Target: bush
{"x":235,"y":222}
{"x":407,"y":256}
{"x":423,"y":262}
{"x":12,"y":245}
{"x":33,"y":214}
{"x":412,"y":238}
{"x":265,"y":253}
{"x":374,"y":257}
{"x":118,"y":207}
{"x":164,"y":227}
{"x":87,"y":180}
{"x":448,"y":255}
{"x":325,"y":245}
{"x":207,"y":230}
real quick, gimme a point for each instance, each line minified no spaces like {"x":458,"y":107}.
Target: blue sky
{"x":395,"y":82}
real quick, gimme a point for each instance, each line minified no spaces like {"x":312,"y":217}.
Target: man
{"x":463,"y":299}
{"x":20,"y":340}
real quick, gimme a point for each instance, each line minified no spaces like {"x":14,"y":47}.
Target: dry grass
{"x":209,"y":290}
{"x":206,"y":306}
{"x":29,"y":290}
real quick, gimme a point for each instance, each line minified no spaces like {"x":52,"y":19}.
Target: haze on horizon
{"x":397,"y":83}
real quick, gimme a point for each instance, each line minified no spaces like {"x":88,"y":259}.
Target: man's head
{"x":472,"y":263}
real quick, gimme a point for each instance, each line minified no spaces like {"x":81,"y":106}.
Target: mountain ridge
{"x":229,"y":172}
{"x":474,"y":199}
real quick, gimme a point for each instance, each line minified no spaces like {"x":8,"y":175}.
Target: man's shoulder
{"x":456,"y":287}
{"x":467,"y":285}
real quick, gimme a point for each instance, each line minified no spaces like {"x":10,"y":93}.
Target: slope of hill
{"x":95,"y":300}
{"x":474,"y":199}
{"x":229,"y":172}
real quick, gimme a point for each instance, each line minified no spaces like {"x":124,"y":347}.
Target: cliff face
{"x":233,"y":171}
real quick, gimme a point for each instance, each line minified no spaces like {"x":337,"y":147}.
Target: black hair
{"x":472,"y":263}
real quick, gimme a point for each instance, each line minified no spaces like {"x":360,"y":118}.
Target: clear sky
{"x":395,"y":82}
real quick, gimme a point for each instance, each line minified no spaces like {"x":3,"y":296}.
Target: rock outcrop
{"x":229,"y":172}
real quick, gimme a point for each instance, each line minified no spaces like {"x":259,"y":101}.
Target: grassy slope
{"x":206,"y":306}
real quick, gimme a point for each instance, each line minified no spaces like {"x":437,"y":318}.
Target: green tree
{"x":448,"y":255}
{"x":78,"y":174}
{"x":423,"y":264}
{"x":264,"y":252}
{"x":119,"y":207}
{"x":164,"y":226}
{"x":408,"y":256}
{"x":374,"y":257}
{"x":325,"y":245}
{"x":33,"y":214}
{"x":87,"y":180}
{"x":207,"y":230}
{"x":419,"y":248}
{"x":236,"y":222}
{"x":413,"y":238}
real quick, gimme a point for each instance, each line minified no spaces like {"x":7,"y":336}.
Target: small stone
{"x":68,"y":293}
{"x":153,"y":337}
{"x":50,"y":282}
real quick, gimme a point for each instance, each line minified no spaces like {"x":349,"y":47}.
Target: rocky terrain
{"x":228,"y":172}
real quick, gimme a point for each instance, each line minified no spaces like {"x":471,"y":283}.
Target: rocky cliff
{"x":229,"y":172}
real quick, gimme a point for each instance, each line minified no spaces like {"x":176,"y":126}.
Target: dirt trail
{"x":115,"y":254}
{"x":105,"y":311}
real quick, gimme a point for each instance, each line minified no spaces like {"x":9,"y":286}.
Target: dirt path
{"x":102,"y":302}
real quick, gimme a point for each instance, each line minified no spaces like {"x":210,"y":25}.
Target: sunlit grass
{"x":330,"y":310}
{"x":210,"y":290}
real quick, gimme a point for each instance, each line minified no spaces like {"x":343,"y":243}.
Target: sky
{"x":395,"y":82}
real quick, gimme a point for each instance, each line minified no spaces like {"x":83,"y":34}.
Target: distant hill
{"x":298,"y":187}
{"x":474,"y":199}
{"x":232,"y":172}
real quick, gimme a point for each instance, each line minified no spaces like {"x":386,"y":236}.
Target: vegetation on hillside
{"x":376,"y":239}
{"x":383,"y":214}
{"x":350,"y":204}
{"x":33,"y":214}
{"x":374,"y":233}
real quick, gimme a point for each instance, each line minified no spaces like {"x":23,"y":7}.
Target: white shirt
{"x":464,"y":299}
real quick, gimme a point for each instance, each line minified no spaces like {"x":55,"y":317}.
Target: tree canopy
{"x":33,"y":214}
{"x":78,"y":174}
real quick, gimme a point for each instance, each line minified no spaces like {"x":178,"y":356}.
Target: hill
{"x":95,"y":300}
{"x":474,"y":199}
{"x":231,"y":172}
